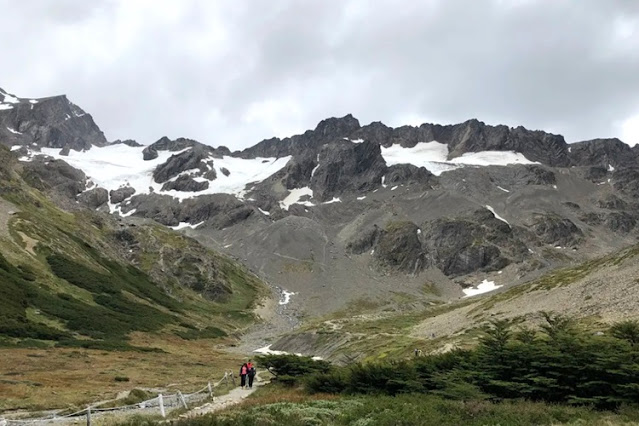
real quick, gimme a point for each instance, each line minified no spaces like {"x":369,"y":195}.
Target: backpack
{"x":252,"y":371}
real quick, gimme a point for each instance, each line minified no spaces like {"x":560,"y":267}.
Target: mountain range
{"x":344,"y":213}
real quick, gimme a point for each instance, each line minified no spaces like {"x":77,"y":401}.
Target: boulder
{"x":121,"y":194}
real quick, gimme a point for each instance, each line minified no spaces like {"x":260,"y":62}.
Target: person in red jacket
{"x":243,"y":373}
{"x":250,"y":373}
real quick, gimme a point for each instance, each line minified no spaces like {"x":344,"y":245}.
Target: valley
{"x":169,"y":263}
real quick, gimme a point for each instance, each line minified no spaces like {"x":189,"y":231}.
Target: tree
{"x":626,"y":330}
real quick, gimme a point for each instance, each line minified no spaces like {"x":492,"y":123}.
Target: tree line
{"x":557,"y":363}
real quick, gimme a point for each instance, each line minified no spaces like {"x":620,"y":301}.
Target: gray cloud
{"x":237,"y":73}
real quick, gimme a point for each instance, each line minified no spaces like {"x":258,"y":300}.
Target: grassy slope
{"x":588,"y":292}
{"x":278,"y":405}
{"x":64,"y":283}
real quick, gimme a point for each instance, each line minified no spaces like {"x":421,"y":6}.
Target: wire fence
{"x":161,"y":404}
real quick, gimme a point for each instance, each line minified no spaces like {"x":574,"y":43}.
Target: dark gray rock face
{"x":364,"y":241}
{"x":399,"y":248}
{"x":470,"y":136}
{"x":185,"y":183}
{"x":308,"y":143}
{"x":161,"y":208}
{"x":94,"y":198}
{"x":595,"y":174}
{"x":407,"y":173}
{"x":603,"y":153}
{"x":475,"y":136}
{"x":52,"y":122}
{"x":347,"y":167}
{"x":626,"y":181}
{"x":121,"y":194}
{"x":149,"y":153}
{"x":592,"y":218}
{"x":551,"y":229}
{"x":54,"y":175}
{"x":534,"y":175}
{"x":620,"y":222}
{"x":218,"y":210}
{"x":462,"y":246}
{"x":612,"y":202}
{"x":176,"y":164}
{"x":298,"y":172}
{"x":129,"y":142}
{"x":166,"y":144}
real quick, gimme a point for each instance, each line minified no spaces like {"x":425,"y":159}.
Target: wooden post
{"x":183,"y":400}
{"x":210,"y":390}
{"x":161,"y":401}
{"x":226,"y":378}
{"x":89,"y":415}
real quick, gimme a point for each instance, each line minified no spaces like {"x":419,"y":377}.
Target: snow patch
{"x":334,"y":200}
{"x":394,"y":188}
{"x":286,"y":297}
{"x":16,"y":147}
{"x":5,"y":106}
{"x":294,"y":198}
{"x":33,"y":101}
{"x":611,"y":168}
{"x":316,"y":167}
{"x":485,"y":287}
{"x":15,"y":132}
{"x":434,"y":157}
{"x":361,"y":198}
{"x":183,"y":225}
{"x":496,"y":215}
{"x":264,"y":212}
{"x":10,"y":99}
{"x":503,"y":189}
{"x":266,"y":350}
{"x":384,"y":180}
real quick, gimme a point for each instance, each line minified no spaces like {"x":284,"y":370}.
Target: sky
{"x":235,"y":72}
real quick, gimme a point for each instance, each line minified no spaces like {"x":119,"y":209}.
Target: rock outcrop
{"x":347,"y":167}
{"x":52,"y":122}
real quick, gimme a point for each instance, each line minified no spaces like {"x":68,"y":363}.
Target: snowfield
{"x":115,"y":166}
{"x":434,"y":157}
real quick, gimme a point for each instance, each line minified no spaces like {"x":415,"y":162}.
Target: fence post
{"x":161,"y":401}
{"x":210,"y":390}
{"x":183,"y":400}
{"x":226,"y":378}
{"x":233,"y":378}
{"x":89,"y":415}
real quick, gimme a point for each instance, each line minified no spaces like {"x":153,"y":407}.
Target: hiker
{"x":243,"y":373}
{"x":251,"y":373}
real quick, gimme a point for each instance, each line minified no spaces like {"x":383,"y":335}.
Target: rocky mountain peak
{"x":603,"y":152}
{"x":52,"y":122}
{"x":337,"y":127}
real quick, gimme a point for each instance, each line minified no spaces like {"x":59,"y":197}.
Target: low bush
{"x":558,"y":365}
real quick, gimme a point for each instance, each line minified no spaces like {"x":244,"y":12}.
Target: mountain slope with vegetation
{"x":80,"y":280}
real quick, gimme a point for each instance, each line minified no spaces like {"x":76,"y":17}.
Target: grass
{"x":74,"y":377}
{"x":277,"y":405}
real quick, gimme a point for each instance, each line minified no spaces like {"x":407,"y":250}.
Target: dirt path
{"x":234,"y":397}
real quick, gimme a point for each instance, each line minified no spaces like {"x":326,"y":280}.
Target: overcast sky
{"x":236,"y":72}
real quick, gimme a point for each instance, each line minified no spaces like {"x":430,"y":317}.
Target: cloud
{"x":233,"y":73}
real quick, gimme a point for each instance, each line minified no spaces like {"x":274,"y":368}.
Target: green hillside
{"x":81,"y":278}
